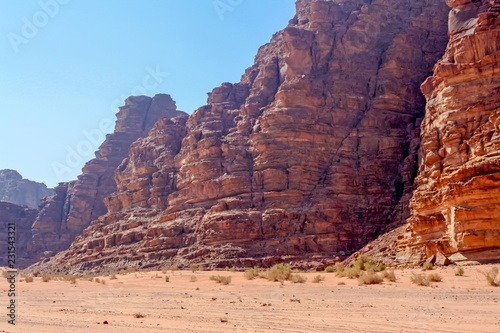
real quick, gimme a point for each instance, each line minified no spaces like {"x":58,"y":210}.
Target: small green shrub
{"x":427,"y":266}
{"x":329,"y":269}
{"x":279,"y":272}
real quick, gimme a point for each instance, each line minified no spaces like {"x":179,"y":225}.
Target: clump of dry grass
{"x":225,"y":280}
{"x":29,"y":279}
{"x":370,"y":277}
{"x":47,"y":277}
{"x":194,"y":267}
{"x":252,"y":273}
{"x":435,"y":277}
{"x":459,"y":271}
{"x":427,"y":266}
{"x":363,"y":263}
{"x":279,"y":272}
{"x":420,"y":279}
{"x":297,"y":278}
{"x":318,"y":279}
{"x":389,"y":275}
{"x":491,"y":277}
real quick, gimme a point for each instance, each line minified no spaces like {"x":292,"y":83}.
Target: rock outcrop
{"x":454,"y":210}
{"x":75,"y":204}
{"x":22,"y":218}
{"x":19,"y":191}
{"x":310,"y":156}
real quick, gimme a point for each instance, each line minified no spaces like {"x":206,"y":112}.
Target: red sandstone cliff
{"x":454,"y":210}
{"x":75,"y":204}
{"x":310,"y":156}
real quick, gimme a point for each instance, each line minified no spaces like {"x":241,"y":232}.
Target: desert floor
{"x":457,"y":304}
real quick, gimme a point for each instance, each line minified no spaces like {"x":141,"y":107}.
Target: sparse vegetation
{"x":279,"y":272}
{"x":389,"y":275}
{"x":167,"y":278}
{"x":435,"y":277}
{"x":252,"y":273}
{"x":194,"y":267}
{"x":370,"y":277}
{"x":225,"y":280}
{"x":113,"y":277}
{"x":297,"y":278}
{"x":329,"y":269}
{"x":459,"y":271}
{"x":339,"y":269}
{"x":139,"y":315}
{"x":367,"y":263}
{"x":46,"y":278}
{"x":193,"y":278}
{"x":427,"y":266}
{"x":318,"y":279}
{"x":29,"y":279}
{"x":420,"y":279}
{"x":491,"y":277}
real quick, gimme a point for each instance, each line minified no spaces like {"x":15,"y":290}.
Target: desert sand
{"x":145,"y":302}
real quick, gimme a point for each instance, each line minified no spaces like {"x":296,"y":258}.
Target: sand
{"x":458,"y":304}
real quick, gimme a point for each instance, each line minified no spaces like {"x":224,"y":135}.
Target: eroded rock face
{"x":454,"y":210}
{"x":22,"y":218}
{"x":75,"y":204}
{"x":308,"y":157}
{"x":19,"y":191}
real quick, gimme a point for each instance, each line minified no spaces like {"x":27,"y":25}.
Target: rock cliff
{"x":23,"y":192}
{"x":454,"y":210}
{"x":22,"y":218}
{"x":75,"y":204}
{"x":310,"y":156}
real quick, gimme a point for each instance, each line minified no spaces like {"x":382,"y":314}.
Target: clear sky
{"x":66,"y":65}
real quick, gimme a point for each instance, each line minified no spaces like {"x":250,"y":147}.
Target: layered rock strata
{"x":310,"y":156}
{"x":75,"y":204}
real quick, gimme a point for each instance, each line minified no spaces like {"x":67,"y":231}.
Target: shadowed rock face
{"x":454,"y":210}
{"x":75,"y":204}
{"x":19,"y":191}
{"x":22,"y":218}
{"x":310,"y":156}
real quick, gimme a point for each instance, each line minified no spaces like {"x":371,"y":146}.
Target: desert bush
{"x":225,"y":280}
{"x":420,"y":279}
{"x":367,"y":263}
{"x":389,"y":275}
{"x":252,"y":273}
{"x":29,"y":279}
{"x":297,"y":278}
{"x":113,"y":277}
{"x":491,"y":277}
{"x":435,"y":277}
{"x":318,"y":279}
{"x":194,"y":267}
{"x":139,"y":315}
{"x":339,"y":269}
{"x":427,"y":266}
{"x":351,"y":272}
{"x":193,"y":279}
{"x":370,"y":277}
{"x":459,"y":271}
{"x":329,"y":269}
{"x":279,"y":272}
{"x":167,"y":278}
{"x":46,"y":278}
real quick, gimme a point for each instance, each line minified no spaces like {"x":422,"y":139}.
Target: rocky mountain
{"x":310,"y":156}
{"x":23,"y":192}
{"x":22,"y":218}
{"x":454,"y":210}
{"x":75,"y":204}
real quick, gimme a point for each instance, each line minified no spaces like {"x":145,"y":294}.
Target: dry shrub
{"x":370,"y":277}
{"x":252,"y":273}
{"x":279,"y":272}
{"x":420,"y":279}
{"x":427,"y":266}
{"x":193,"y":279}
{"x":339,"y":269}
{"x":46,"y":277}
{"x":167,"y":278}
{"x":318,"y":279}
{"x":435,"y":277}
{"x":29,"y":279}
{"x":113,"y":277}
{"x":297,"y":278}
{"x":459,"y":271}
{"x":225,"y":280}
{"x":139,"y":315}
{"x":389,"y":275}
{"x":194,"y":267}
{"x":491,"y":277}
{"x":367,"y":263}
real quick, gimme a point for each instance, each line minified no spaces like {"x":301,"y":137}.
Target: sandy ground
{"x":458,"y":304}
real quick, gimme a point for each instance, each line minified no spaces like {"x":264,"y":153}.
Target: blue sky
{"x":66,"y":65}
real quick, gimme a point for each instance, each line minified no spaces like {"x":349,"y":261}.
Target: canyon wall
{"x":76,"y":203}
{"x":309,"y":157}
{"x":19,"y":191}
